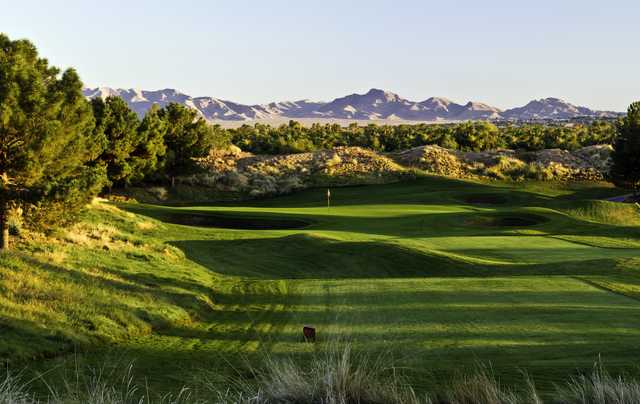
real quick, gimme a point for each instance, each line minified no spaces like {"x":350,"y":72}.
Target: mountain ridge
{"x":376,"y":104}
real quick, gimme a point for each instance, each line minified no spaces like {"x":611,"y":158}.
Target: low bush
{"x":15,"y":222}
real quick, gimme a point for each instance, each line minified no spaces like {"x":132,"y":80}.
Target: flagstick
{"x":328,"y":200}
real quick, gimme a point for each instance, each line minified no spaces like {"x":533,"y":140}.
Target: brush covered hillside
{"x":441,"y":274}
{"x":231,"y":174}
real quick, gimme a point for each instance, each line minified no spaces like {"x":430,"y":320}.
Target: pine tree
{"x":117,"y":126}
{"x":626,"y":155}
{"x":45,"y":123}
{"x":147,"y":157}
{"x":188,"y":136}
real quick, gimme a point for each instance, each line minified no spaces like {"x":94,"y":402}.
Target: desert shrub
{"x":15,"y":221}
{"x":334,"y":160}
{"x":236,"y":181}
{"x":265,"y":185}
{"x":199,"y":179}
{"x":441,"y":161}
{"x":597,"y":156}
{"x":552,"y":172}
{"x":290,"y":184}
{"x":159,"y":193}
{"x":507,"y":168}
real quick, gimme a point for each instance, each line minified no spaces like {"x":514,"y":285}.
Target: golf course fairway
{"x":440,"y":276}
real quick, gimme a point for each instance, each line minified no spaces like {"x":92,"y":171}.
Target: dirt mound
{"x":433,"y":159}
{"x":234,"y":222}
{"x":586,"y":164}
{"x":232,"y":170}
{"x":597,"y":157}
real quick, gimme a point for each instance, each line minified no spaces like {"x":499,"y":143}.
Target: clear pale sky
{"x":504,"y":53}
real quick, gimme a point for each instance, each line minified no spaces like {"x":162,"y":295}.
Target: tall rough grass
{"x":94,"y":387}
{"x":342,"y":378}
{"x":624,"y":214}
{"x":484,"y":388}
{"x":13,"y":391}
{"x":599,"y":388}
{"x":337,"y":377}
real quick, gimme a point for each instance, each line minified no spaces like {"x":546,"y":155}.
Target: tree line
{"x":466,"y":136}
{"x":58,"y":150}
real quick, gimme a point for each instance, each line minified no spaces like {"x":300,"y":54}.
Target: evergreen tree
{"x":626,"y":155}
{"x":117,"y":126}
{"x":45,"y":126}
{"x":188,"y":136}
{"x":148,"y":155}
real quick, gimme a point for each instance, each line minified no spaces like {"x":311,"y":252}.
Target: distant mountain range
{"x":374,"y":105}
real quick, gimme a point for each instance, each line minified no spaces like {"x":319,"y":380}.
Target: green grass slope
{"x":442,"y":274}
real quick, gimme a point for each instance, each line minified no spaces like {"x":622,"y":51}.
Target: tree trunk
{"x":4,"y":227}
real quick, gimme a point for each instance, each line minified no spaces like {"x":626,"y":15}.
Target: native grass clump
{"x":337,"y":376}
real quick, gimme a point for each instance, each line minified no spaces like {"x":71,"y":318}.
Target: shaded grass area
{"x":412,"y":269}
{"x":234,"y":222}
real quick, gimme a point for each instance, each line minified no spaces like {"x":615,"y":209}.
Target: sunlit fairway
{"x":544,"y":280}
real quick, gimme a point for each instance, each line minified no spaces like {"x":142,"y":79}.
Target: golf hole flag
{"x":328,"y":197}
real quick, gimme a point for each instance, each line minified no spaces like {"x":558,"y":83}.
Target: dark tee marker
{"x":309,"y":333}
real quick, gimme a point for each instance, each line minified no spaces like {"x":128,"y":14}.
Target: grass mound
{"x":508,"y":220}
{"x":484,"y":199}
{"x":109,"y":278}
{"x":234,"y":222}
{"x":605,"y":212}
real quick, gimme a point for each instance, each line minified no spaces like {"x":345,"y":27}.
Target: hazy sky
{"x":504,"y":53}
